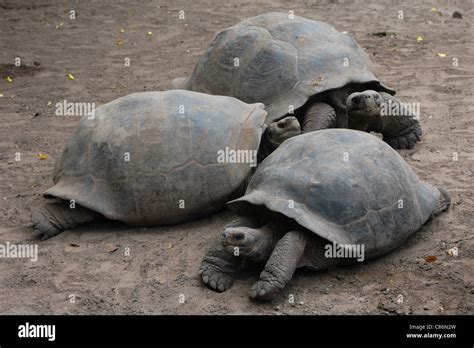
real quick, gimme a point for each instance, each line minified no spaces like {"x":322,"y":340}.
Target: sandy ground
{"x":163,"y":262}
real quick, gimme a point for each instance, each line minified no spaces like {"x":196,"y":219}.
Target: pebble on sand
{"x":453,"y":252}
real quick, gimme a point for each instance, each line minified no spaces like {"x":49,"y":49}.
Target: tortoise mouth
{"x":355,"y":108}
{"x":365,"y":109}
{"x":363,"y":112}
{"x":233,"y":249}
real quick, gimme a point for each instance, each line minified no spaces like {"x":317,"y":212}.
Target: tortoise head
{"x":252,"y":243}
{"x":280,"y":130}
{"x":364,"y":107}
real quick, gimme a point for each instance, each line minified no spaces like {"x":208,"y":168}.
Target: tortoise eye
{"x":238,"y":236}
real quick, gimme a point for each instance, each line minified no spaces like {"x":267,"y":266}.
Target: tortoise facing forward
{"x":318,"y":192}
{"x":156,"y":158}
{"x":294,"y":64}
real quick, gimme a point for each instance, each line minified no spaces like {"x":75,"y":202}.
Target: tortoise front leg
{"x":218,"y":265}
{"x":401,"y":131}
{"x":319,"y":116}
{"x":280,"y":266}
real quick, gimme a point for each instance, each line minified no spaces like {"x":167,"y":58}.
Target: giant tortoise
{"x":156,"y":158}
{"x":321,"y":199}
{"x":306,"y":67}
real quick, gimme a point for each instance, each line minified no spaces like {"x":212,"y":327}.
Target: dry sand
{"x":164,"y":261}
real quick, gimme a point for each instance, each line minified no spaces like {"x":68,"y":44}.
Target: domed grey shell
{"x":153,"y":158}
{"x":281,"y":62}
{"x":346,"y":186}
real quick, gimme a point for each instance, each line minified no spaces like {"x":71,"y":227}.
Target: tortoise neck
{"x":338,"y":99}
{"x":267,"y":146}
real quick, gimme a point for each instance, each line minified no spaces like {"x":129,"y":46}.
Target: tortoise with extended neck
{"x":152,"y":158}
{"x":321,"y":199}
{"x":306,"y":67}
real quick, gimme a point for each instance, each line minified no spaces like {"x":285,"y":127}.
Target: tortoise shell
{"x":152,"y":158}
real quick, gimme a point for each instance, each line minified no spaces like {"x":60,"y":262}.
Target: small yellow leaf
{"x":419,"y":39}
{"x":442,"y":55}
{"x":42,"y":156}
{"x":119,"y":42}
{"x":434,"y":9}
{"x":49,"y":103}
{"x":1,"y":95}
{"x":149,"y":33}
{"x":9,"y":79}
{"x":170,"y":246}
{"x":59,"y":25}
{"x":122,"y":30}
{"x":70,"y":76}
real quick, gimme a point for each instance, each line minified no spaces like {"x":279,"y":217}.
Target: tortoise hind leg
{"x":444,"y":201}
{"x":53,"y":218}
{"x":280,"y":266}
